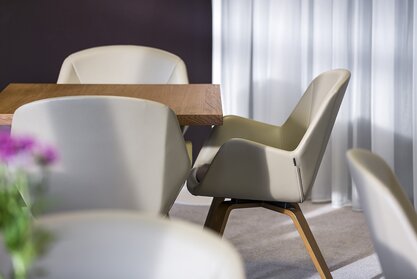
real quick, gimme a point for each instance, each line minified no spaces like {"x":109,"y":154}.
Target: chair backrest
{"x":118,"y":244}
{"x":123,"y":64}
{"x":390,"y":216}
{"x":308,"y":128}
{"x":114,"y":152}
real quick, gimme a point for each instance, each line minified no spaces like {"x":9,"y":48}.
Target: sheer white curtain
{"x":265,"y":52}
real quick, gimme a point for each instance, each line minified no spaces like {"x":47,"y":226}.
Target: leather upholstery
{"x":391,"y":218}
{"x":123,"y":64}
{"x":114,"y":152}
{"x":247,"y":159}
{"x":125,"y":245}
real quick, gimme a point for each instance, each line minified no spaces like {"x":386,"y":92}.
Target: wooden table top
{"x":194,"y":104}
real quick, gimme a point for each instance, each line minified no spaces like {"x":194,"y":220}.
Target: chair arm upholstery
{"x":249,"y":170}
{"x":238,"y":127}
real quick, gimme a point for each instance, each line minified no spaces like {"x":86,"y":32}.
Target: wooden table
{"x":194,"y":104}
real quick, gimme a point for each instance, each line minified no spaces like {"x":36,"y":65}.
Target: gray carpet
{"x":272,"y":248}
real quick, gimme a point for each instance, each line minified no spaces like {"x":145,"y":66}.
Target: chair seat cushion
{"x":201,"y":172}
{"x":192,"y":182}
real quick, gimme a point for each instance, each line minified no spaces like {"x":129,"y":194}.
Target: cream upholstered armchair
{"x":391,"y":218}
{"x":128,"y":245}
{"x":257,"y":164}
{"x":123,"y":64}
{"x":114,"y":152}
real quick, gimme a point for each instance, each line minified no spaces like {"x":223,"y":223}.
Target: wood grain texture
{"x":306,"y":235}
{"x":194,"y":104}
{"x":220,"y":210}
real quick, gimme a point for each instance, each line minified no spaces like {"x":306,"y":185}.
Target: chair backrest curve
{"x":114,"y":152}
{"x":130,"y":245}
{"x":391,"y":218}
{"x":310,"y":124}
{"x":123,"y":64}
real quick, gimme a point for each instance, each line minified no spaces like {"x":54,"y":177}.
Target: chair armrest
{"x":248,"y":170}
{"x":239,"y":127}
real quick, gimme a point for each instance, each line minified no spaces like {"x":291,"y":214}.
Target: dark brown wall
{"x":36,"y":35}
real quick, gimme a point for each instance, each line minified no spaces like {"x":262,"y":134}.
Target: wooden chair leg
{"x":220,"y":210}
{"x":297,"y":216}
{"x":218,"y":215}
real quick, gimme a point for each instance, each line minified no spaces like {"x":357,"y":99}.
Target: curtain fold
{"x":267,"y":52}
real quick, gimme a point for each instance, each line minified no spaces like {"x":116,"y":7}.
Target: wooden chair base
{"x":220,"y":210}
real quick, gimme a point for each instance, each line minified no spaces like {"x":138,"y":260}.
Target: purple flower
{"x":13,"y":147}
{"x":46,"y":155}
{"x":24,"y":144}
